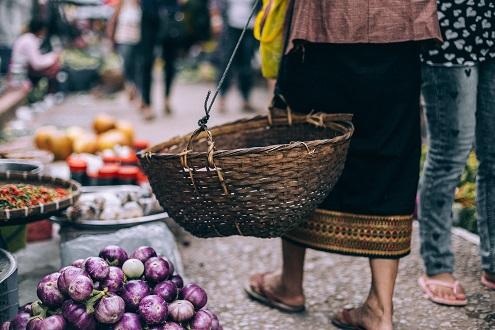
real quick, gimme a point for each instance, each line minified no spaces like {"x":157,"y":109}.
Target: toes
{"x":255,"y":282}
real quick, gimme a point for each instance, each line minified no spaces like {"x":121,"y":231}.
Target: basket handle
{"x":209,"y":105}
{"x":315,"y":118}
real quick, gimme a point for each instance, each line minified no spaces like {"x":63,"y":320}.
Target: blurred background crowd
{"x":64,"y":46}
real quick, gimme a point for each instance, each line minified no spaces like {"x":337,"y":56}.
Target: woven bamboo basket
{"x":257,"y":177}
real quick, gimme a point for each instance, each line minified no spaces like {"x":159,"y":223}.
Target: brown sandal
{"x":256,"y":291}
{"x":343,"y":321}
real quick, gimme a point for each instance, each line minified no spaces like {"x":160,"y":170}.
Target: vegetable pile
{"x":117,"y":291}
{"x":16,"y":196}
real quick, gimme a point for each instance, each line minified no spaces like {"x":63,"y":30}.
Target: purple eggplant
{"x":153,"y":309}
{"x":114,"y":281}
{"x":167,"y":290}
{"x":27,"y":308}
{"x":77,"y":316}
{"x":170,"y":264}
{"x":110,"y":309}
{"x":195,"y":294}
{"x":5,"y":326}
{"x":129,"y":321}
{"x":66,"y":276}
{"x":114,"y":255}
{"x":97,"y":268}
{"x":171,"y":326}
{"x":201,"y":321}
{"x":54,"y":322}
{"x":156,"y":270}
{"x":61,"y":270}
{"x":177,"y":279}
{"x":50,"y":277}
{"x":133,"y":292}
{"x":20,"y":321}
{"x":80,"y":288}
{"x":48,"y":291}
{"x":215,"y":323}
{"x":79,"y":263}
{"x":180,"y":311}
{"x":143,"y":253}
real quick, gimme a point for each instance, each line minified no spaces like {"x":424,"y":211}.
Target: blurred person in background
{"x":162,"y":26}
{"x":14,"y":16}
{"x":28,"y":63}
{"x":459,"y":94}
{"x":125,"y":32}
{"x":235,"y":16}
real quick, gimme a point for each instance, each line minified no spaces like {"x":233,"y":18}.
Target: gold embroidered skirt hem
{"x":356,"y":234}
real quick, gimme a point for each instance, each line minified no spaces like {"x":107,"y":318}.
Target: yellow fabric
{"x":269,"y":30}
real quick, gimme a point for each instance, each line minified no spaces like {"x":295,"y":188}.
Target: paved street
{"x":223,"y":265}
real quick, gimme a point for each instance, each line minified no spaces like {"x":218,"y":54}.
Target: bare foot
{"x":366,"y":317}
{"x":444,"y":292}
{"x":148,"y":113}
{"x":132,"y":93}
{"x":167,"y":109}
{"x":273,"y":284}
{"x":247,"y":107}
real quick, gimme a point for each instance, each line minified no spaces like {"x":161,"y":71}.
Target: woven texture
{"x":356,"y":234}
{"x":255,"y":177}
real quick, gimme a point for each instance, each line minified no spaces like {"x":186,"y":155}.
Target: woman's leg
{"x":147,"y":73}
{"x":287,"y":284}
{"x":450,"y":104}
{"x":169,"y":57}
{"x":149,"y":28}
{"x":226,"y":47}
{"x":377,"y":310}
{"x":485,"y":149}
{"x":245,"y":67}
{"x":126,"y":53}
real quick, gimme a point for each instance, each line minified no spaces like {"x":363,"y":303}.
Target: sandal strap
{"x":265,"y":292}
{"x":454,"y":286}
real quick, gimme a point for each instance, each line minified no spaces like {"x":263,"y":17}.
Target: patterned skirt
{"x":369,"y":213}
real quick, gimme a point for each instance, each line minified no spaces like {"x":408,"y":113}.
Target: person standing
{"x":357,"y":57}
{"x":160,"y":26}
{"x":236,"y":14}
{"x":28,"y":62}
{"x":459,"y":95}
{"x":14,"y":17}
{"x":125,"y":32}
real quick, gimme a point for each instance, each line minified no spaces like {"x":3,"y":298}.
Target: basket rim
{"x":341,"y":122}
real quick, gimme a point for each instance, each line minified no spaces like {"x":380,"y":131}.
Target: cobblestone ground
{"x":223,"y":265}
{"x":331,"y":282}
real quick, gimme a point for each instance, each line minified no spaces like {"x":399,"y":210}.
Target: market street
{"x":222,"y":265}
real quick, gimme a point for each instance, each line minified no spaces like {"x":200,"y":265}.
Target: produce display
{"x":117,"y":291}
{"x":108,"y":132}
{"x":79,"y":60}
{"x":16,"y":196}
{"x":114,"y":205}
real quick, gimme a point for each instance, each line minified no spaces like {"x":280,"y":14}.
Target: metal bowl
{"x":20,"y":166}
{"x":9,"y":296}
